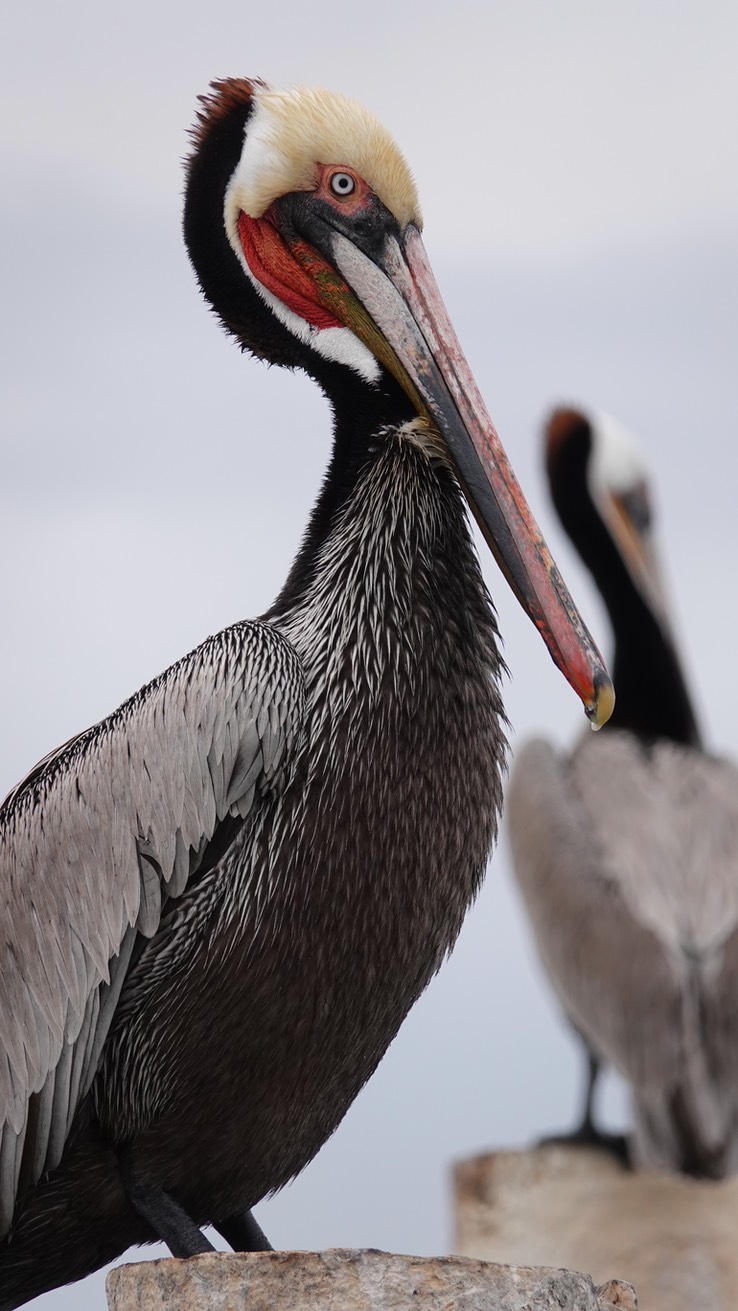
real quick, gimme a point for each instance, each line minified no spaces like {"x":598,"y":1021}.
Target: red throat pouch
{"x":272,"y":263}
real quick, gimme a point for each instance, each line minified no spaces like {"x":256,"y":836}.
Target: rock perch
{"x":354,"y":1280}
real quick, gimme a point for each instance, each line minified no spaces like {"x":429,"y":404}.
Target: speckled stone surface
{"x":674,"y":1238}
{"x":352,"y":1280}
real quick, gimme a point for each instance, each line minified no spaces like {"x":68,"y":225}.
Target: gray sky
{"x":576,"y":165}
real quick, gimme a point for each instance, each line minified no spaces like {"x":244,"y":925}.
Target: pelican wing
{"x":91,"y":844}
{"x":627,"y":858}
{"x":720,"y":1027}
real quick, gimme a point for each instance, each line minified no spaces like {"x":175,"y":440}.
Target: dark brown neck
{"x":652,"y":699}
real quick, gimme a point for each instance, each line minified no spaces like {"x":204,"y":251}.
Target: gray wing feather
{"x":43,"y":1107}
{"x":8,"y":1142}
{"x":108,"y":995}
{"x":92,"y":843}
{"x":149,"y":910}
{"x":584,"y":929}
{"x":60,"y":1106}
{"x":628,"y":863}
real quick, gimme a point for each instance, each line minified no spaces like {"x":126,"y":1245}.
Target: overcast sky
{"x":576,"y":165}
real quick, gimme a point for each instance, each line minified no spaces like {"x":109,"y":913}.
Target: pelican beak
{"x":621,"y":513}
{"x":387,"y":295}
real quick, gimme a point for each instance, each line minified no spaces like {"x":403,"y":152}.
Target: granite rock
{"x":352,"y":1280}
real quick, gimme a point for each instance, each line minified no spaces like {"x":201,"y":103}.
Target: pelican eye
{"x":342,"y":184}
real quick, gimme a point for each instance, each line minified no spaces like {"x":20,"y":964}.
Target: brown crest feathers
{"x":226,"y":94}
{"x":563,"y":422}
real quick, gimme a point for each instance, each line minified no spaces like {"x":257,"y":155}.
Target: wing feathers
{"x":607,"y":966}
{"x":93,"y":842}
{"x":628,"y":861}
{"x":182,"y":864}
{"x":108,"y":998}
{"x":8,"y":1142}
{"x":248,"y":763}
{"x":40,"y":1108}
{"x":60,"y":1107}
{"x":149,"y":910}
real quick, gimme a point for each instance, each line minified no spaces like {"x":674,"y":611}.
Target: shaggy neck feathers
{"x":387,"y":545}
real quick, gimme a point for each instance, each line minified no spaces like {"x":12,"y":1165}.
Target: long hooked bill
{"x":405,"y":312}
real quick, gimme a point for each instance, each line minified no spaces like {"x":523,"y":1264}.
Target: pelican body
{"x":626,"y":850}
{"x":221,"y":902}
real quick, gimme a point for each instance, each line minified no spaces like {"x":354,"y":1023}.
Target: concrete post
{"x":675,"y":1239}
{"x":352,"y":1281}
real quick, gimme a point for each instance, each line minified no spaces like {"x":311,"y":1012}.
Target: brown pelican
{"x":626,"y":850}
{"x":221,"y":902}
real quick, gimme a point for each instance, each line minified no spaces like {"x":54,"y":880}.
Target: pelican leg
{"x":587,"y":1127}
{"x":243,"y":1233}
{"x":587,"y":1133}
{"x":169,"y":1221}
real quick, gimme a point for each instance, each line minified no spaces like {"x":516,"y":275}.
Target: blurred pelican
{"x":626,"y":850}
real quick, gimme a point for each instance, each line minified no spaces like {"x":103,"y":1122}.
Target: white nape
{"x":616,"y":464}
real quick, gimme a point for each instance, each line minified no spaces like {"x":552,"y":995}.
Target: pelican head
{"x":304,"y":227}
{"x":618,"y":486}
